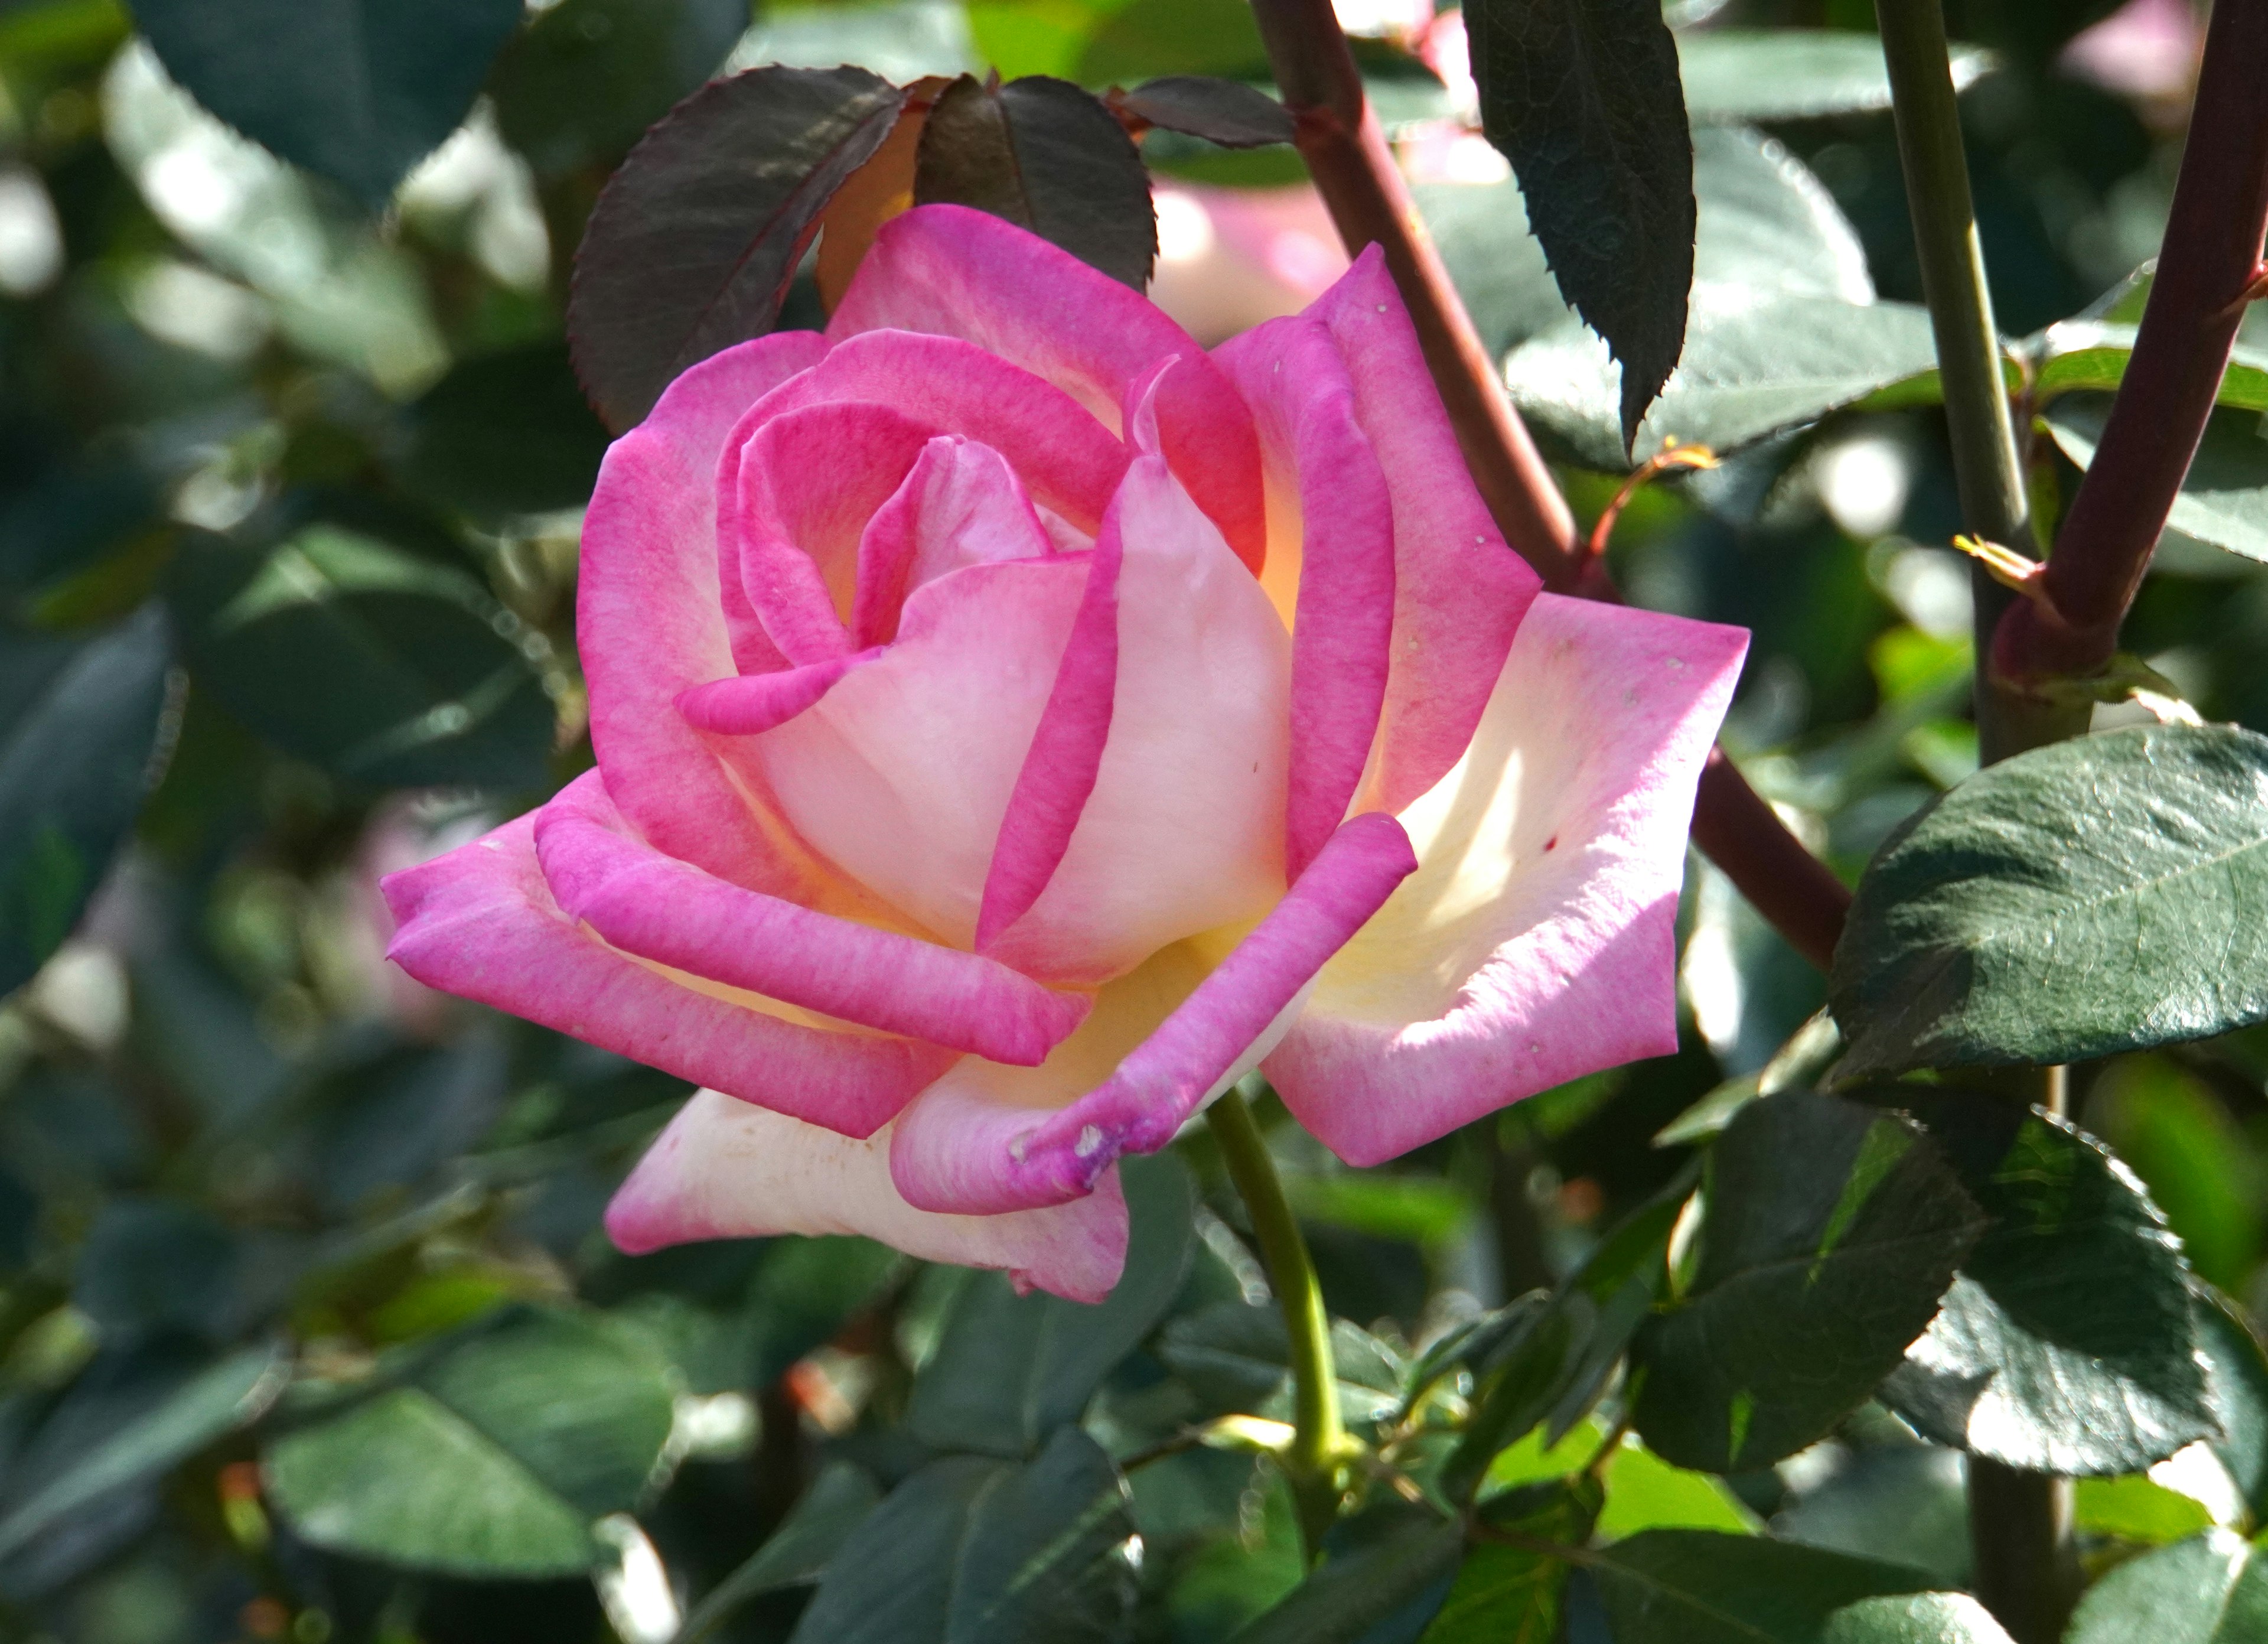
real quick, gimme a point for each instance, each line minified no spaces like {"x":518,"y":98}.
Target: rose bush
{"x":1013,"y":724}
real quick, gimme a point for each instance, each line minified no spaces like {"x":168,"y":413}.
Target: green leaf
{"x":2236,"y":1385}
{"x":1749,"y":370}
{"x":1237,"y":1357}
{"x":1811,"y":1282}
{"x":1351,"y":1593}
{"x":1644,"y":1492}
{"x":2132,"y":1509}
{"x":2105,"y":894}
{"x":1742,"y":75}
{"x":1583,"y":98}
{"x":2209,"y":1590}
{"x":2092,"y":348}
{"x":2068,"y":1344}
{"x":1900,"y":1502}
{"x":1048,"y":157}
{"x":488,"y":1454}
{"x":114,"y":1428}
{"x":505,"y":433}
{"x":1228,"y":113}
{"x":1806,"y":1055}
{"x":794,"y":1555}
{"x":586,"y":77}
{"x":691,"y":247}
{"x":1691,"y":1587}
{"x":2224,"y":496}
{"x":972,"y":1550}
{"x":376,"y":663}
{"x":2175,"y":1133}
{"x":1763,"y":222}
{"x":1012,"y":1369}
{"x":81,"y":724}
{"x":357,"y":92}
{"x":1508,"y":1595}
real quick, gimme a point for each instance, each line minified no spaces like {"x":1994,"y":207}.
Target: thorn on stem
{"x":2255,"y":289}
{"x":1672,"y":455}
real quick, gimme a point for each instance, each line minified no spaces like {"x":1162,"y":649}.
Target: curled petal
{"x":648,"y":618}
{"x":950,"y":271}
{"x":960,"y":505}
{"x":748,"y":705}
{"x":652,"y":907}
{"x":481,"y":923}
{"x":974,"y":1142}
{"x":1070,"y":461}
{"x":792,"y":502}
{"x":1330,"y":483}
{"x":725,"y":1169}
{"x":1181,"y":829}
{"x":1535,"y":942}
{"x":901,"y":774}
{"x":1459,"y":593}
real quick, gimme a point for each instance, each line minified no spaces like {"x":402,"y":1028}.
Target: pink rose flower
{"x":1014,"y":724}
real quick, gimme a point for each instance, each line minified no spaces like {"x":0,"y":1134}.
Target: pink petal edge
{"x":1535,"y":942}
{"x":481,"y":923}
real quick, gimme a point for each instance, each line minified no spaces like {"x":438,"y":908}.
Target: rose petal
{"x":648,"y":622}
{"x":970,"y":1142}
{"x":960,"y":505}
{"x":1459,"y":593}
{"x":724,"y":1170}
{"x":954,"y":272}
{"x":481,"y":923}
{"x":652,"y":907}
{"x":1068,"y":460}
{"x":1535,"y":943}
{"x":1291,"y":373}
{"x":748,"y":705}
{"x":901,"y":774}
{"x":792,"y":509}
{"x":1183,"y":829}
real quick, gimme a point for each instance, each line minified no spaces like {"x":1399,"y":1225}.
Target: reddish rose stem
{"x":1355,"y":172}
{"x":2209,"y":259}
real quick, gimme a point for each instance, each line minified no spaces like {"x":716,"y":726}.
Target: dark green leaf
{"x":1011,"y":1369}
{"x":586,"y":77}
{"x":691,"y":247}
{"x":2224,"y":496}
{"x":1691,"y":1587}
{"x":2068,"y":1344}
{"x":357,"y":92}
{"x":1900,"y":1502}
{"x":1583,"y":98}
{"x":1237,"y":1357}
{"x":366,"y":657}
{"x":2211,"y":1590}
{"x":506,"y":433}
{"x":2105,"y":894}
{"x":794,"y":1555}
{"x":1511,"y":1595}
{"x":1048,"y":157}
{"x":972,"y":1550}
{"x":1352,"y":1593}
{"x":2237,"y":1383}
{"x":1811,"y":1282}
{"x":80,"y":723}
{"x":1735,"y":75}
{"x":1805,"y":1056}
{"x":116,"y":1427}
{"x":490,"y":1453}
{"x":1230,"y":113}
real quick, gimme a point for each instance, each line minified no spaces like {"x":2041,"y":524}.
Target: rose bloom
{"x":1015,"y":724}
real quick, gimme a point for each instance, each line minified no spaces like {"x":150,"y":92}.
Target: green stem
{"x":2020,"y":1523}
{"x":1985,"y":465}
{"x":1319,"y":1444}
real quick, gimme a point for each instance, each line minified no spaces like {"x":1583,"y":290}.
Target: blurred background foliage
{"x":307,"y":1327}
